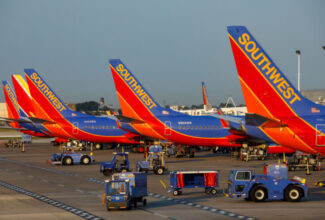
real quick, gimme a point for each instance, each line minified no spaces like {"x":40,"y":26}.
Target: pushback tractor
{"x":272,"y":185}
{"x":120,"y":162}
{"x":69,"y":157}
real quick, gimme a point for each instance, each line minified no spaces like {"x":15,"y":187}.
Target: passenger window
{"x":243,"y":175}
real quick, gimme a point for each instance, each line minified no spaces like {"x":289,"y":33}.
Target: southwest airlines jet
{"x":142,"y":114}
{"x":277,"y":109}
{"x":18,"y":119}
{"x":72,"y":123}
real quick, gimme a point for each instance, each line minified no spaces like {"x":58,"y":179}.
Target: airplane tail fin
{"x":266,"y":89}
{"x":13,"y":108}
{"x":42,"y":93}
{"x":205,"y":95}
{"x":11,"y":101}
{"x":224,"y":123}
{"x":134,"y":99}
{"x":24,"y":97}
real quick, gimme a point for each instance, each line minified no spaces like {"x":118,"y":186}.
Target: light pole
{"x":298,"y":54}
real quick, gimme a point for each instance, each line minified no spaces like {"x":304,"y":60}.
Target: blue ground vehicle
{"x":120,"y":162}
{"x":125,"y":189}
{"x":194,"y":179}
{"x":69,"y":157}
{"x":154,"y":162}
{"x":273,"y":185}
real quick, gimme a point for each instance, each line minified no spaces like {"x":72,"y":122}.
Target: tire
{"x":85,"y":160}
{"x":258,"y":193}
{"x":67,"y":161}
{"x":175,"y":192}
{"x":107,"y":172}
{"x":160,"y":171}
{"x":144,"y":202}
{"x":293,"y":193}
{"x":213,"y":191}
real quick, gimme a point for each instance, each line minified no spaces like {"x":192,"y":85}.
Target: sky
{"x":171,"y":46}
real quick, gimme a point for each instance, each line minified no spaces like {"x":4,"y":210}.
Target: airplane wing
{"x":11,"y":128}
{"x":31,"y":120}
{"x":259,"y":120}
{"x":252,"y":119}
{"x":40,"y":121}
{"x":228,"y":118}
{"x":125,"y":119}
{"x":14,"y":120}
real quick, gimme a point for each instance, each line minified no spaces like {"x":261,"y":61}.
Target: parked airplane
{"x":277,"y":109}
{"x":74,"y":124}
{"x":17,"y":118}
{"x":143,"y":114}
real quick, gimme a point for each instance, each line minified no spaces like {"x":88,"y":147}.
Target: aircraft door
{"x":168,"y":130}
{"x":320,"y":135}
{"x":75,"y":128}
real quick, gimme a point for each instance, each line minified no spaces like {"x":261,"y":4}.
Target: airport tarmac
{"x":30,"y":188}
